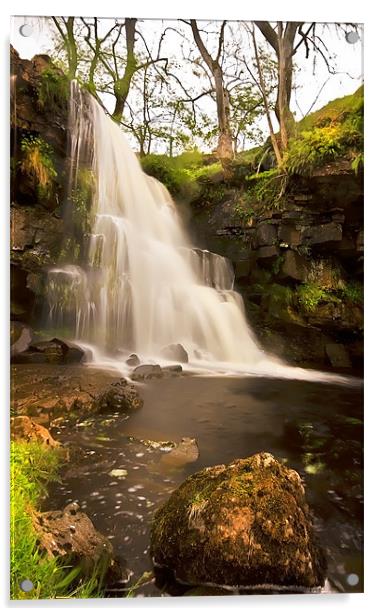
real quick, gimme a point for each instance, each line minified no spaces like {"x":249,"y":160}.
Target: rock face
{"x":175,"y":352}
{"x":24,"y":429}
{"x":244,"y":524}
{"x":53,"y":351}
{"x":21,"y":336}
{"x":71,"y":534}
{"x":120,"y":397}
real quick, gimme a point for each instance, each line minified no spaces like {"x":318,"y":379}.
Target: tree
{"x":225,"y":145}
{"x":282,"y":40}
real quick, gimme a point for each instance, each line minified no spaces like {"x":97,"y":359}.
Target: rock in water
{"x":184,"y":453}
{"x":71,"y":534}
{"x":24,"y":429}
{"x":133,"y":360}
{"x":146,"y":372}
{"x":242,"y":524}
{"x":175,"y":352}
{"x":119,"y":397}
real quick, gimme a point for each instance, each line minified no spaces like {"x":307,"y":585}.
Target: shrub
{"x":310,"y":295}
{"x":37,"y":163}
{"x":268,"y":187}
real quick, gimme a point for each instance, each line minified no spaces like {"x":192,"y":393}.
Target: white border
{"x":321,"y":10}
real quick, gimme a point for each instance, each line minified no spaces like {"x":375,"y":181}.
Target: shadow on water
{"x":316,"y":428}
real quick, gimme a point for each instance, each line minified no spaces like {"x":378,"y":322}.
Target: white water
{"x":142,"y":286}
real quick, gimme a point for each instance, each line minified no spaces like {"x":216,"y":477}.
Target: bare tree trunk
{"x":266,"y":104}
{"x":282,"y":42}
{"x":225,"y":141}
{"x":122,"y":86}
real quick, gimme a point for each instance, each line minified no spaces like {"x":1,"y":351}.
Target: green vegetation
{"x":37,"y":163}
{"x":81,"y":201}
{"x":53,"y":89}
{"x":335,"y":131}
{"x":180,"y":174}
{"x":310,"y":295}
{"x":33,"y":466}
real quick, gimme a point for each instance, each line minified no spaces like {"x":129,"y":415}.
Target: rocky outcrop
{"x":311,"y":244}
{"x":38,"y":116}
{"x":71,"y":536}
{"x":52,"y":393}
{"x":53,"y":351}
{"x":242,"y":524}
{"x":24,"y":429}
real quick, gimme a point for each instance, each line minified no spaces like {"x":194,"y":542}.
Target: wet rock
{"x":21,"y":336}
{"x":294,"y":266}
{"x":118,"y":398}
{"x":53,"y":351}
{"x":184,"y":453}
{"x":289,"y":235}
{"x":242,"y":524}
{"x":175,"y":352}
{"x":267,"y":255}
{"x":322,"y":234}
{"x":147,"y":372}
{"x":337,"y":355}
{"x":133,"y":360}
{"x":174,"y":370}
{"x":242,"y":269}
{"x":266,"y":234}
{"x":71,"y":534}
{"x":25,"y":429}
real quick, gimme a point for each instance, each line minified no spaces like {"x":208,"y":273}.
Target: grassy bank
{"x":33,"y":466}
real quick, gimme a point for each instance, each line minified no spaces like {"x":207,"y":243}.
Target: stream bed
{"x":316,"y":428}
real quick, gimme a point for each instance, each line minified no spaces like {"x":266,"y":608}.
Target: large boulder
{"x":25,"y":429}
{"x":242,"y":524}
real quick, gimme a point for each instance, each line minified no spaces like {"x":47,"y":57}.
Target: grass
{"x":33,"y":466}
{"x":37,"y":163}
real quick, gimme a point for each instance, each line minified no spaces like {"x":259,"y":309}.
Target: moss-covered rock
{"x":242,"y":524}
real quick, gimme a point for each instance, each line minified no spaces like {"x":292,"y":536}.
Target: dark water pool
{"x":316,"y":428}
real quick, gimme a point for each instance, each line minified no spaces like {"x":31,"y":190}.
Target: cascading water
{"x":140,"y":286}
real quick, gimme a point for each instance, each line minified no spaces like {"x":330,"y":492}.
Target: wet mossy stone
{"x":245,"y":524}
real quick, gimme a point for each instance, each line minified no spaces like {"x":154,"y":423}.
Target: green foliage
{"x":33,"y":466}
{"x":353,"y":292}
{"x":310,"y":295}
{"x":281,"y":298}
{"x":53,"y":89}
{"x":180,"y":174}
{"x":335,"y":131}
{"x":358,"y":163}
{"x":37,"y":163}
{"x":268,"y":188}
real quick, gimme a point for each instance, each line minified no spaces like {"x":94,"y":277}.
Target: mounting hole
{"x":26,"y":30}
{"x":352,"y":37}
{"x":352,"y":579}
{"x":26,"y":585}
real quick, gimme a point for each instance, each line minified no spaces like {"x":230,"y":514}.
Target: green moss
{"x":53,"y":89}
{"x":80,"y":200}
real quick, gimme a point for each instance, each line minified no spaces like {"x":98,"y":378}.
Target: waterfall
{"x":138,"y":284}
